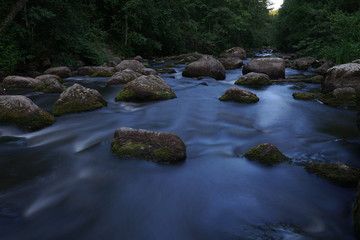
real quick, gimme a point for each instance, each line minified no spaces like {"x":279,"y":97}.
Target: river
{"x":63,"y":182}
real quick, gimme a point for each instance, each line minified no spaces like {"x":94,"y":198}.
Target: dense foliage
{"x":92,"y":30}
{"x":324,"y":29}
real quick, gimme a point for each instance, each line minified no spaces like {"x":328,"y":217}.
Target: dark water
{"x":64,"y":183}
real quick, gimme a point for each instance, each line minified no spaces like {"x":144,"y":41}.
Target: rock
{"x":138,"y":58}
{"x":159,"y":147}
{"x":78,"y":99}
{"x":324,"y":67}
{"x":337,"y":173}
{"x":308,"y":96}
{"x":205,"y":67}
{"x":356,"y":61}
{"x":49,"y":84}
{"x":189,"y":57}
{"x":235,"y":52}
{"x":24,"y":113}
{"x":315,"y":79}
{"x":63,"y":72}
{"x":267,"y":154}
{"x":254,"y":79}
{"x":123,"y":77}
{"x":166,"y":71}
{"x":303,"y":63}
{"x":134,"y":65}
{"x":341,"y":97}
{"x":273,"y":67}
{"x":345,"y":75}
{"x":356,"y":213}
{"x":96,"y":71}
{"x":231,"y":63}
{"x":19,"y":82}
{"x":148,"y":71}
{"x":239,"y":95}
{"x":145,"y":88}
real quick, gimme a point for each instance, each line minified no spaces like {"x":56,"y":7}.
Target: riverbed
{"x":63,"y":182}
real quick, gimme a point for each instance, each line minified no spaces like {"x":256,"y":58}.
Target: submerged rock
{"x":63,"y":72}
{"x":239,"y":95}
{"x":308,"y":96}
{"x":267,"y":154}
{"x":123,"y":77}
{"x":49,"y":84}
{"x":254,"y":79}
{"x":205,"y":67}
{"x":235,"y":52}
{"x":78,"y":99}
{"x":24,"y":113}
{"x":345,"y":75}
{"x":19,"y":82}
{"x":145,"y":88}
{"x":231,"y":62}
{"x":337,"y":173}
{"x":96,"y":71}
{"x":273,"y":67}
{"x":159,"y":147}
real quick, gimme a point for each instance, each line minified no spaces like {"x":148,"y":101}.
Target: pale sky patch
{"x":276,"y":4}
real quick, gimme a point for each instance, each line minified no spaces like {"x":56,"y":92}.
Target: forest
{"x":93,"y":31}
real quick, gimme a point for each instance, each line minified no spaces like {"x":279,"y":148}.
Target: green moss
{"x":31,"y":122}
{"x":102,"y":74}
{"x":307,"y":96}
{"x":341,"y":100}
{"x":339,"y":174}
{"x":163,"y":154}
{"x":125,"y":95}
{"x":76,"y":107}
{"x":266,"y":154}
{"x":129,"y":150}
{"x":240,"y":99}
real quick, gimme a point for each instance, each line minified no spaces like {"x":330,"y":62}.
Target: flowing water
{"x":63,"y":182}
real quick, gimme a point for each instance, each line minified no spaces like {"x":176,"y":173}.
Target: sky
{"x":277,"y":3}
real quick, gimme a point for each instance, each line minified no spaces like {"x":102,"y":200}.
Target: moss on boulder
{"x":159,"y":147}
{"x":78,"y":99}
{"x":49,"y":84}
{"x":239,"y":95}
{"x":341,"y":97}
{"x":145,"y":88}
{"x":337,"y":173}
{"x":254,"y":79}
{"x":24,"y":113}
{"x":308,"y":96}
{"x":267,"y":154}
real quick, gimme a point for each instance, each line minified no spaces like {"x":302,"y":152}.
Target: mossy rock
{"x":123,"y":77}
{"x":337,"y":173}
{"x":50,"y":85}
{"x":254,"y":79}
{"x":267,"y":154}
{"x":239,"y":95}
{"x":308,"y":96}
{"x":13,"y":82}
{"x":22,"y":112}
{"x":159,"y":147}
{"x":78,"y":99}
{"x":341,"y":97}
{"x":145,"y":88}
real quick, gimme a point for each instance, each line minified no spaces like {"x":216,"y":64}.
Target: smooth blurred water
{"x":63,"y":182}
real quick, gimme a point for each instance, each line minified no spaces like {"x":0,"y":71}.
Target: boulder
{"x":254,"y":79}
{"x":49,"y":84}
{"x":356,"y":61}
{"x":145,"y":88}
{"x":337,"y":173}
{"x":78,"y":99}
{"x":19,"y":82}
{"x":303,"y":63}
{"x":205,"y":67}
{"x":159,"y":147}
{"x":239,"y":95}
{"x":267,"y":154}
{"x":138,"y":58}
{"x":123,"y":77}
{"x":235,"y":52}
{"x":273,"y":67}
{"x":341,"y":97}
{"x":24,"y":113}
{"x":148,"y":71}
{"x":345,"y":75}
{"x":96,"y":71}
{"x":231,"y":63}
{"x":63,"y":72}
{"x":130,"y":64}
{"x":324,"y":67}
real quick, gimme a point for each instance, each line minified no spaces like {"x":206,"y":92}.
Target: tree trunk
{"x":20,"y":4}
